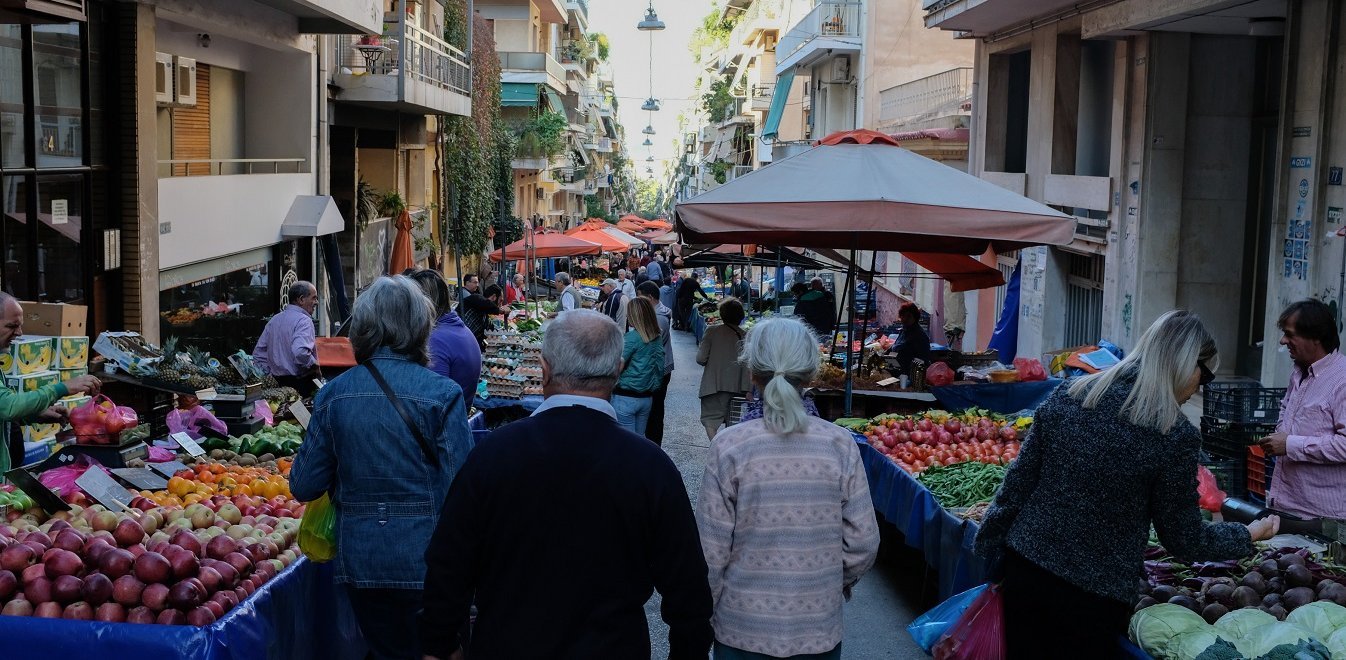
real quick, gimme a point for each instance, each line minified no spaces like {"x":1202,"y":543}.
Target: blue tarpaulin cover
{"x":1004,"y":398}
{"x":1005,"y":338}
{"x":300,"y":614}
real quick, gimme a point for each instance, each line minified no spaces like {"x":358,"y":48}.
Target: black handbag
{"x":429,"y":451}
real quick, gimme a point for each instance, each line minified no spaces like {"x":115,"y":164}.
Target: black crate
{"x":1231,"y":439}
{"x":1246,"y":403}
{"x":1230,"y":475}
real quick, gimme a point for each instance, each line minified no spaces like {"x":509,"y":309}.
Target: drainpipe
{"x":320,"y":167}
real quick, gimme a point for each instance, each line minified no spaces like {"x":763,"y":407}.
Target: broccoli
{"x":1220,"y":650}
{"x":1305,"y":650}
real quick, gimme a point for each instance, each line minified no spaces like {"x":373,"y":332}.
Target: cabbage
{"x":1336,"y":643}
{"x":1154,"y":627}
{"x":1321,"y":618}
{"x":1259,"y":641}
{"x":1189,"y":645}
{"x":1234,"y":625}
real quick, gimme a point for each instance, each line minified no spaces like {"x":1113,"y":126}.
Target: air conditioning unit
{"x":184,"y":79}
{"x":840,"y":70}
{"x":163,"y":78}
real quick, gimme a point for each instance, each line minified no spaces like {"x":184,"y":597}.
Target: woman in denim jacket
{"x":386,"y":490}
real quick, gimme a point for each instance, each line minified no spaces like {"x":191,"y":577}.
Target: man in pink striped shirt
{"x":1310,"y":439}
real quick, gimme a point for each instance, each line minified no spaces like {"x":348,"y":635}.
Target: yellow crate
{"x":72,"y":353}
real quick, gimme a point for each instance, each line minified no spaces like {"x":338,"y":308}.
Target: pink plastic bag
{"x":160,"y":455}
{"x":939,"y":374}
{"x":262,"y":410}
{"x":63,"y":478}
{"x":979,"y":634}
{"x":192,"y":421}
{"x":1210,"y":497}
{"x":1029,"y":369}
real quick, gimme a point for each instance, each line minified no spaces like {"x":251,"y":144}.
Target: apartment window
{"x":1093,"y":147}
{"x":1084,"y":299}
{"x":1007,"y":123}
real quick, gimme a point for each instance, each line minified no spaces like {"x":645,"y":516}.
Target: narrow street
{"x":884,"y":601}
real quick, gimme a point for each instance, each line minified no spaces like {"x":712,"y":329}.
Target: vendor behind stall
{"x":36,"y":406}
{"x":689,"y":289}
{"x":286,"y":348}
{"x":1310,"y":438}
{"x":915,"y":343}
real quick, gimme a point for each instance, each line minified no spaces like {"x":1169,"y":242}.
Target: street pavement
{"x":882,"y":604}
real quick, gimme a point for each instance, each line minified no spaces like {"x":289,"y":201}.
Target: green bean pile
{"x":963,"y":484}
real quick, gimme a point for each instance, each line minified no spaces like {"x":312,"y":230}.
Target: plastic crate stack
{"x":511,"y":365}
{"x":1235,"y":416}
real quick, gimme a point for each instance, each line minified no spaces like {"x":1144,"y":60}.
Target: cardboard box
{"x":72,"y":352}
{"x":28,"y":355}
{"x":54,"y":320}
{"x":36,"y":450}
{"x":40,"y":432}
{"x":32,"y":382}
{"x":74,"y":401}
{"x":67,"y":374}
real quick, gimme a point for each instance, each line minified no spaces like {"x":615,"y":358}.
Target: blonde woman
{"x":642,"y":367}
{"x":786,"y":522}
{"x":724,"y":376}
{"x":1108,"y":456}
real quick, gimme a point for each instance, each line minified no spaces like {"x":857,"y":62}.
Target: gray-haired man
{"x":615,"y":552}
{"x":286,"y":348}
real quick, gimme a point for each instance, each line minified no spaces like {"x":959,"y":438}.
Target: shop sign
{"x":1301,"y":162}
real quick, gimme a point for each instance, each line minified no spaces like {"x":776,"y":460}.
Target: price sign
{"x":886,"y":382}
{"x":319,"y":382}
{"x":169,"y":468}
{"x":187,"y":443}
{"x":104,"y":490}
{"x":42,"y":496}
{"x":207,"y":394}
{"x":141,"y":478}
{"x":300,"y":412}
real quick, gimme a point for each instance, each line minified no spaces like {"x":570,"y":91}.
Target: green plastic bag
{"x":317,"y":530}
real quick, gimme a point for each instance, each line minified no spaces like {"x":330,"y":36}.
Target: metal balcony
{"x":942,"y":94}
{"x":408,"y":69}
{"x":833,"y":27}
{"x":525,"y":67}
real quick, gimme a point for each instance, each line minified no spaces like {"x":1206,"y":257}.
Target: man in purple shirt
{"x":285,"y":349}
{"x":1310,"y":438}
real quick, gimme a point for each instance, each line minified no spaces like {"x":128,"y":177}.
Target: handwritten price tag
{"x":187,"y":443}
{"x":300,"y":412}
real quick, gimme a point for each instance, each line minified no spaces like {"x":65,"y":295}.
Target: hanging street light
{"x":651,"y":105}
{"x":649,"y":159}
{"x":647,"y":143}
{"x":649,"y":130}
{"x":649,"y":170}
{"x":651,"y":21}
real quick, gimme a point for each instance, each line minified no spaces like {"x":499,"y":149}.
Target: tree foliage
{"x":713,"y":33}
{"x":602,"y":44}
{"x":543,"y":135}
{"x":648,"y":199}
{"x":719,"y":101}
{"x":477,"y":145}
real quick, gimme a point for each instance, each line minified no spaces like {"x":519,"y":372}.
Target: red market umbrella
{"x":963,"y":273}
{"x":629,"y":226}
{"x":543,"y":246}
{"x":860,"y":190}
{"x":402,"y":257}
{"x":657,"y":224}
{"x":595,"y":231}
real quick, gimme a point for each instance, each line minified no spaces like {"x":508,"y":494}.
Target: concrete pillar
{"x":139,"y":176}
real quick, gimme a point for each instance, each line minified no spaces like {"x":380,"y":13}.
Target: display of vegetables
{"x":935,"y":438}
{"x":151,"y":564}
{"x":1280,"y":603}
{"x":963,"y":484}
{"x":282,"y":439}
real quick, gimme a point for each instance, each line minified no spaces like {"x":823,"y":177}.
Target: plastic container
{"x":1229,"y":473}
{"x":1231,"y":439}
{"x":1244,"y":403}
{"x":1260,"y":467}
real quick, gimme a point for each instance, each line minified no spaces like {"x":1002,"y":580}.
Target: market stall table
{"x":945,"y":539}
{"x":298,"y":614}
{"x":1003,"y":398}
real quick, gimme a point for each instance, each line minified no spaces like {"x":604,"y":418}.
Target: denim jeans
{"x":723,"y":652}
{"x":633,"y":413}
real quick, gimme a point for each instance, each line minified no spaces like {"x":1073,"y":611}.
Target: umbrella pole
{"x":850,"y":334}
{"x":869,"y":307}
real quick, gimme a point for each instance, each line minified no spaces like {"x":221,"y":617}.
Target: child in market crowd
{"x":643,"y":367}
{"x":1108,"y":456}
{"x":786,"y":520}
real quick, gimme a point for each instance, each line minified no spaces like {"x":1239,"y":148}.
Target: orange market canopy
{"x":543,"y":246}
{"x":595,"y":231}
{"x":860,"y":190}
{"x":630,"y":226}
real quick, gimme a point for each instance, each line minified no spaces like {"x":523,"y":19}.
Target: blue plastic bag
{"x":929,"y":627}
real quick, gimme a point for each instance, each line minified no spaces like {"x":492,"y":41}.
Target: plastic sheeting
{"x":529,"y":402}
{"x":1005,"y":337}
{"x":300,"y":614}
{"x":1004,"y":398}
{"x":944,"y":539}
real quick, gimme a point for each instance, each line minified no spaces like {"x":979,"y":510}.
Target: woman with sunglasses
{"x":1109,"y":455}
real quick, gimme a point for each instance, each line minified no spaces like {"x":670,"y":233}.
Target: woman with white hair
{"x":1108,"y":456}
{"x":385,"y":441}
{"x":786,"y":522}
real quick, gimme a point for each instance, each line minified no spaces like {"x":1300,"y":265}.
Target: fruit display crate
{"x":1260,"y":467}
{"x":1230,"y":474}
{"x":1243,"y":403}
{"x":1231,"y":439}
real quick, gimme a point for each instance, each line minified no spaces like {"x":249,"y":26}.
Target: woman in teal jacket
{"x":642,"y":367}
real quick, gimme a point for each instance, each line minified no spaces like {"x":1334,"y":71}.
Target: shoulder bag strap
{"x":406,"y":417}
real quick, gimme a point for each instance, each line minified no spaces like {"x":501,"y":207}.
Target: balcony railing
{"x":412,"y":54}
{"x":517,"y":61}
{"x":763,"y":90}
{"x":759,"y":16}
{"x":943,"y":92}
{"x":229,"y":166}
{"x":582,"y":6}
{"x":831,"y":18}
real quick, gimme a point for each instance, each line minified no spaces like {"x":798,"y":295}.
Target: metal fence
{"x":408,"y":51}
{"x":763,"y":90}
{"x":943,"y":91}
{"x":831,"y":18}
{"x":1084,"y":300}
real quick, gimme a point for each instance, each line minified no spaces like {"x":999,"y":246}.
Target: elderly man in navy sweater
{"x":561,"y":526}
